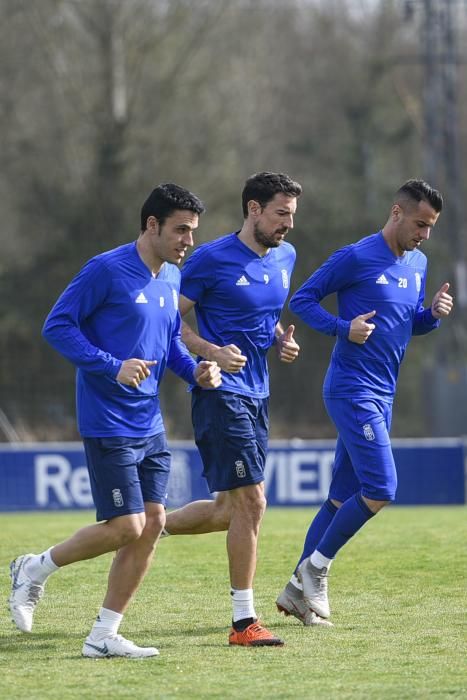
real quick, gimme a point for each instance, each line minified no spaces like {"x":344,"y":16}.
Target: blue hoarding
{"x":50,"y":476}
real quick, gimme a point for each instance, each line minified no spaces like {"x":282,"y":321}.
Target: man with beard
{"x":238,"y":285}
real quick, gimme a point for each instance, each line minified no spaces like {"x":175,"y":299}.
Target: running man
{"x":380,"y":287}
{"x":238,"y":285}
{"x":118,"y":323}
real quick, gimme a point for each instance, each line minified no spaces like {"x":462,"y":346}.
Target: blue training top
{"x":115,"y":310}
{"x":367,"y":276}
{"x":239,"y":297}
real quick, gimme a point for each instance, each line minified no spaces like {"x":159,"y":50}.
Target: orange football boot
{"x":254,"y":636}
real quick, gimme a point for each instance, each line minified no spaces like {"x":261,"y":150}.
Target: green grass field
{"x":398,"y":595}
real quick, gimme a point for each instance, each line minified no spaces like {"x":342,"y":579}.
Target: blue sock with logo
{"x":351,"y":516}
{"x":318,"y":527}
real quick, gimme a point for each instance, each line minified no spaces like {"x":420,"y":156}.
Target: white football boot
{"x":315,"y":587}
{"x":115,"y":645}
{"x":25,"y":594}
{"x":291,"y":602}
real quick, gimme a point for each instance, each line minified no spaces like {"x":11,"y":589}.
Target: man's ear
{"x":152,"y":224}
{"x":396,"y":212}
{"x":254,"y":207}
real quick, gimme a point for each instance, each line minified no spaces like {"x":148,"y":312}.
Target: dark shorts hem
{"x":237,"y":486}
{"x":102,"y":517}
{"x":379,"y":496}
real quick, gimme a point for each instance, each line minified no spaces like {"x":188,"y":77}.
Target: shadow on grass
{"x":68,"y":645}
{"x":202,"y":631}
{"x":17,"y":643}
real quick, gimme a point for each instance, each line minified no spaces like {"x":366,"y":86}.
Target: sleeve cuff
{"x":114,"y":367}
{"x":430,"y":319}
{"x":342,"y":328}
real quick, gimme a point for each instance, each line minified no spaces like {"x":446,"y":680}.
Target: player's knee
{"x":155,"y":524}
{"x":128,"y":528}
{"x":375,"y":505}
{"x":251,"y":501}
{"x":259,"y":506}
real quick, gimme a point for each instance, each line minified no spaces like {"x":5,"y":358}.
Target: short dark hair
{"x":167,"y":198}
{"x":262,"y":187}
{"x":418,"y":190}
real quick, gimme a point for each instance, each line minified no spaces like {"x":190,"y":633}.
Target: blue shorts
{"x":231,"y":432}
{"x":127,"y":472}
{"x":363,"y":461}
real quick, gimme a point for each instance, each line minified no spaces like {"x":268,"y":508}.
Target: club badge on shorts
{"x":240,"y":469}
{"x":117,"y":498}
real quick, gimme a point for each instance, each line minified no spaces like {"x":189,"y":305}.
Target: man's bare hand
{"x":133,"y":372}
{"x":442,"y":302}
{"x":360,"y":330}
{"x":229,"y":358}
{"x":287,"y":347}
{"x":208,"y":374}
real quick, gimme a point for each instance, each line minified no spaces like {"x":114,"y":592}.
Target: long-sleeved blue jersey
{"x":367,"y":276}
{"x":115,"y":310}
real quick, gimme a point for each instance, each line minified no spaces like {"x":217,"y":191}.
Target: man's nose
{"x":188,"y":239}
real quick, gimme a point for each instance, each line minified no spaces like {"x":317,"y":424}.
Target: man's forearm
{"x":196,"y":344}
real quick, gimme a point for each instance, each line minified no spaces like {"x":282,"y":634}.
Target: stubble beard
{"x":267,"y":241}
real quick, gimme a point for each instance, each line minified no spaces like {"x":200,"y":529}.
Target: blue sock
{"x":318,"y":527}
{"x":352,"y":515}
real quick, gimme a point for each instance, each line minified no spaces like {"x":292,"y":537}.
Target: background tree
{"x":101,"y":100}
